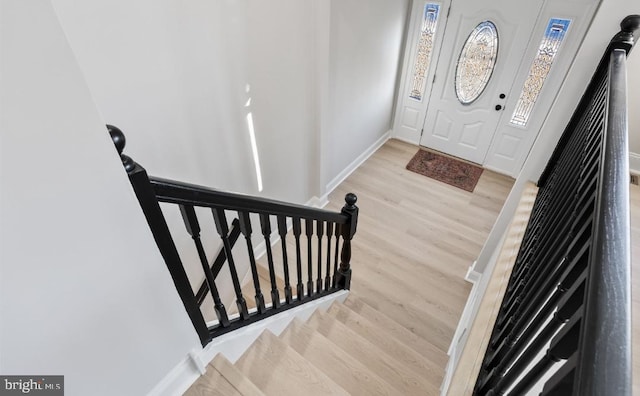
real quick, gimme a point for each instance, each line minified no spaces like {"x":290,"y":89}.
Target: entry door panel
{"x":465,"y":130}
{"x":513,"y":140}
{"x":426,"y":31}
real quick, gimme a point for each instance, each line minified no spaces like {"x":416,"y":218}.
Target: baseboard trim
{"x":318,"y":202}
{"x":473,"y":276}
{"x":634,"y":163}
{"x":335,"y":182}
{"x":233,"y":345}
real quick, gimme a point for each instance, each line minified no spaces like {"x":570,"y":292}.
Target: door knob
{"x":498,"y":107}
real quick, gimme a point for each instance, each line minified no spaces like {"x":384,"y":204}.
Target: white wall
{"x":176,"y":77}
{"x":365,"y":45}
{"x":176,"y":89}
{"x":180,"y":78}
{"x":280,"y":56}
{"x":83,"y":291}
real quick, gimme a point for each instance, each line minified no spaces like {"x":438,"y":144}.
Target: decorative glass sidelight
{"x":476,"y":62}
{"x":549,"y":46}
{"x":425,"y":48}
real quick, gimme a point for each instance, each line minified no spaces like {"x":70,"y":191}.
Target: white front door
{"x":483,"y":45}
{"x":472,"y":110}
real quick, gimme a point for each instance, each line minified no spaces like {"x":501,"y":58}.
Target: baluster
{"x":282,"y":229}
{"x":338,"y":231}
{"x":297,"y":230}
{"x":348,"y":231}
{"x":327,"y":280}
{"x":320,"y":232}
{"x":266,"y":232}
{"x":193,"y":228}
{"x":563,"y":345}
{"x":223,"y":230}
{"x":309,"y":231}
{"x":245,"y":228}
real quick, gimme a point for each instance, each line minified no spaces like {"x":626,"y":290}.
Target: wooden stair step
{"x":400,"y":333}
{"x":442,"y":317}
{"x":411,"y":316}
{"x":234,"y":376}
{"x":277,"y":369}
{"x":413,"y":360}
{"x":344,"y":369}
{"x":212,"y":383}
{"x":387,"y":367}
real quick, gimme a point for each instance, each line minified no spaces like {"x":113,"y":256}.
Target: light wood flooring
{"x":416,"y":238}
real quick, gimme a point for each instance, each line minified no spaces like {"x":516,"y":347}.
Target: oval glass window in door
{"x":476,"y":62}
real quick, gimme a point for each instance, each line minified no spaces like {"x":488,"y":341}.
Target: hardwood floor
{"x":416,"y":238}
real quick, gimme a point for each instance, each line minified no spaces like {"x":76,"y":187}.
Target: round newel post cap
{"x":350,"y":199}
{"x":630,"y":23}
{"x":117,"y":137}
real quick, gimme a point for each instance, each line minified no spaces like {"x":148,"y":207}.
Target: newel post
{"x":350,"y":209}
{"x":625,"y":39}
{"x":151,"y":208}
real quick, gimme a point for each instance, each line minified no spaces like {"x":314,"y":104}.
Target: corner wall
{"x":365,"y":45}
{"x":84,"y":292}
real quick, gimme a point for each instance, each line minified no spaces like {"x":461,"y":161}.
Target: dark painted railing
{"x":566,"y":316}
{"x":330,"y":233}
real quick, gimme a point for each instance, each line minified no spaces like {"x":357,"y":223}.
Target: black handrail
{"x":150,"y":191}
{"x":176,"y":192}
{"x":606,"y":350}
{"x":570,"y":285}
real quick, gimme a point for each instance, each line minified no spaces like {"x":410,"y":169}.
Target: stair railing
{"x":565,"y":320}
{"x":327,"y":235}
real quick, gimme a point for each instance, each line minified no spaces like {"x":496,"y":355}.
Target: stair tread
{"x":413,"y":360}
{"x":234,"y":376}
{"x":344,"y":369}
{"x":401,"y":333}
{"x":277,"y":369}
{"x":441,"y":315}
{"x":387,"y":367}
{"x":411,"y":316}
{"x":212,"y":383}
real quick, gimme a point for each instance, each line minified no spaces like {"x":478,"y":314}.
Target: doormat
{"x":445,"y":169}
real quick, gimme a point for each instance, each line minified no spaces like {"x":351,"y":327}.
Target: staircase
{"x":393,"y":330}
{"x":352,"y":348}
